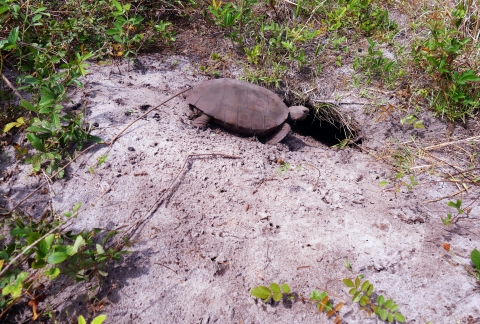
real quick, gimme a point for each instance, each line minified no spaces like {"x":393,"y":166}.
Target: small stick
{"x":330,"y":101}
{"x":445,"y":197}
{"x":449,"y":143}
{"x":12,"y":87}
{"x":143,"y":115}
{"x":166,"y":267}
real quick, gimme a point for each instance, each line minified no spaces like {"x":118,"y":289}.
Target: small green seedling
{"x":275,"y":292}
{"x":279,"y":293}
{"x":283,"y":168}
{"x":348,"y":265}
{"x":457,"y":205}
{"x":362,"y":294}
{"x":412,"y":120}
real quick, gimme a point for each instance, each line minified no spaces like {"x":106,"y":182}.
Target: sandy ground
{"x":229,"y":224}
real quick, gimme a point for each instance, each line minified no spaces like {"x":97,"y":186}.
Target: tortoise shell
{"x":239,"y":106}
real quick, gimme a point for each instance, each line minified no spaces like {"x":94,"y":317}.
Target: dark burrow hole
{"x":327,"y":128}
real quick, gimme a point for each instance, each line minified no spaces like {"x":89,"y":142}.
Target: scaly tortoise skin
{"x":244,"y":108}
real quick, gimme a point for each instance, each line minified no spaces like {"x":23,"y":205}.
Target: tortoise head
{"x":298,"y":112}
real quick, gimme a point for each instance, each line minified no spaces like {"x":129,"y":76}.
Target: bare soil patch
{"x":221,"y":217}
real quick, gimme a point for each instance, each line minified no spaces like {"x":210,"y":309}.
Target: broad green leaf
{"x":13,"y":37}
{"x":28,"y":105}
{"x":102,"y":273}
{"x":399,"y":317}
{"x":46,"y":110}
{"x":117,"y":5}
{"x":36,"y":17}
{"x":19,"y":231}
{"x":261,"y":292}
{"x":390,"y":317}
{"x":52,"y":273}
{"x":475,"y":256}
{"x":370,"y":290}
{"x":79,"y":241}
{"x":277,"y":296}
{"x":32,"y":237}
{"x":316,"y":295}
{"x":357,"y":282}
{"x":383,"y":314}
{"x":394,"y":308}
{"x":77,"y":206}
{"x":380,"y":300}
{"x":274,"y":287}
{"x":15,"y":288}
{"x":468,"y":76}
{"x":356,"y":297}
{"x":352,"y":291}
{"x":364,"y":300}
{"x":38,"y":264}
{"x":37,"y":129}
{"x":388,"y":303}
{"x":365,"y":285}
{"x":47,"y":94}
{"x":57,"y":257}
{"x":40,"y":10}
{"x":3,"y":9}
{"x":348,"y":282}
{"x":286,"y":288}
{"x":36,"y":142}
{"x":99,"y":319}
{"x":95,"y":139}
{"x":81,"y":320}
{"x":113,"y":31}
{"x":100,"y":249}
{"x":45,"y":244}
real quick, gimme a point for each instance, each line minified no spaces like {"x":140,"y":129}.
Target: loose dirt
{"x":222,"y":216}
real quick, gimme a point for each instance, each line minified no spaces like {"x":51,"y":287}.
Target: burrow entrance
{"x":326,"y":125}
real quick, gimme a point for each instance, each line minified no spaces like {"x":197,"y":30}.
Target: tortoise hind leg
{"x":278,"y":134}
{"x":201,"y":121}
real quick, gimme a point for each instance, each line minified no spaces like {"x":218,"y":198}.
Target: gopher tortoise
{"x":244,"y":108}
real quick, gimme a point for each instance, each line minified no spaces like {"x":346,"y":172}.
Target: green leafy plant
{"x":277,"y":293}
{"x":447,"y":221}
{"x":274,"y":291}
{"x":51,"y":55}
{"x":455,"y":93}
{"x":411,"y":119}
{"x":283,"y":168}
{"x":374,"y":64}
{"x":362,"y":294}
{"x":37,"y":252}
{"x":97,"y":320}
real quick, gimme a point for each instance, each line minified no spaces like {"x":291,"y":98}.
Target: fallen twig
{"x":11,"y":87}
{"x":166,"y":267}
{"x":450,"y":143}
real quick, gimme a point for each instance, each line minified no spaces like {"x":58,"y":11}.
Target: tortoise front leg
{"x":201,"y":121}
{"x":278,"y":134}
